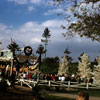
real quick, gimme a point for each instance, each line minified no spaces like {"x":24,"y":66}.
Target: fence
{"x":66,"y":84}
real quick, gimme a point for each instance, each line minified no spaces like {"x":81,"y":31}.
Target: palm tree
{"x":13,"y":46}
{"x":40,"y":51}
{"x":45,"y":35}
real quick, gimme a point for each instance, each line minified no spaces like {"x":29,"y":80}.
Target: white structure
{"x":63,"y":67}
{"x":97,"y":71}
{"x":84,"y":70}
{"x":7,"y":55}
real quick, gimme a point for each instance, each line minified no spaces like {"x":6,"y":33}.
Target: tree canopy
{"x":67,"y":52}
{"x":83,"y":17}
{"x":52,"y":64}
{"x":40,"y":49}
{"x":13,"y":46}
{"x":46,"y":35}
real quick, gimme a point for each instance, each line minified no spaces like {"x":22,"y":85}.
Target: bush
{"x":3,"y":85}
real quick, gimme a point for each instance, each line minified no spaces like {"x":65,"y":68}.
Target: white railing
{"x":50,"y":83}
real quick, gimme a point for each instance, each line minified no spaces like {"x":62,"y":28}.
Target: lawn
{"x":49,"y":97}
{"x":92,"y":92}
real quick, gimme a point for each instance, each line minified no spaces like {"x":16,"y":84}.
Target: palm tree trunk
{"x":39,"y":61}
{"x":12,"y":63}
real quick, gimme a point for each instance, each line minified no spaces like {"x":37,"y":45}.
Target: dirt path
{"x":20,"y":93}
{"x":65,"y":95}
{"x":25,"y":93}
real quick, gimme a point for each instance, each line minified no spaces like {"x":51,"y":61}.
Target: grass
{"x":92,"y":92}
{"x":49,"y":97}
{"x":15,"y":95}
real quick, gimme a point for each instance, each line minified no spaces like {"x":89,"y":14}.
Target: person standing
{"x":83,"y":96}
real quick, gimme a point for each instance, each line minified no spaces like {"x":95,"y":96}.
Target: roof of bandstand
{"x":7,"y":57}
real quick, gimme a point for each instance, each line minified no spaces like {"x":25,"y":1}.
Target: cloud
{"x":19,"y":1}
{"x":22,"y":2}
{"x":57,"y":11}
{"x":54,"y":23}
{"x":36,"y":40}
{"x":35,"y":1}
{"x":30,"y":33}
{"x":31,"y":8}
{"x":2,"y":27}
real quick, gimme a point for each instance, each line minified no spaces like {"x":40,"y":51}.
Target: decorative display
{"x":28,"y":50}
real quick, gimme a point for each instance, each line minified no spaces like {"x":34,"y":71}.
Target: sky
{"x":25,"y":20}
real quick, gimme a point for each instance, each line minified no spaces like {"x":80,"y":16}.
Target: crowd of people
{"x":53,"y":77}
{"x":26,"y":74}
{"x":42,"y":76}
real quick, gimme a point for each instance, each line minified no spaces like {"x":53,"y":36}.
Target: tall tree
{"x":52,"y":64}
{"x":97,"y":71}
{"x":45,"y":35}
{"x":83,"y":18}
{"x":71,"y":68}
{"x":84,"y":70}
{"x":13,"y":46}
{"x":40,"y":51}
{"x":64,"y":66}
